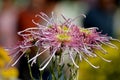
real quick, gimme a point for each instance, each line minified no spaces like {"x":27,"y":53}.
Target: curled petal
{"x":40,"y":26}
{"x":19,"y":58}
{"x":88,"y":52}
{"x":53,"y":54}
{"x":70,"y":53}
{"x":41,"y":16}
{"x":38,"y":55}
{"x":14,"y":49}
{"x":91,"y":63}
{"x":111,"y":45}
{"x":44,"y":15}
{"x":114,"y":39}
{"x":80,"y":56}
{"x":44,"y":61}
{"x":34,"y":61}
{"x":99,"y":47}
{"x":104,"y":58}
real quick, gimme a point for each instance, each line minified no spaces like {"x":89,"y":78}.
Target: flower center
{"x":63,"y":37}
{"x":63,"y":28}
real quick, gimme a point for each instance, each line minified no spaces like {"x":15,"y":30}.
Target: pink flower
{"x":66,"y":37}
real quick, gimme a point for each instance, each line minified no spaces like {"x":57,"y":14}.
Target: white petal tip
{"x":41,"y":69}
{"x":96,"y":67}
{"x":77,"y":66}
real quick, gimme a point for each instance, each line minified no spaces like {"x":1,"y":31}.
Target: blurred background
{"x":17,"y":15}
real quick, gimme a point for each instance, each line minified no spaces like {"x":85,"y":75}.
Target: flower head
{"x":68,"y":37}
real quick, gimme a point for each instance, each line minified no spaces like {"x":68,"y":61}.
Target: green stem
{"x":41,"y":75}
{"x":41,"y":72}
{"x":30,"y":71}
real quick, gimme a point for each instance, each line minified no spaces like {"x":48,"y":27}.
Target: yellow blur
{"x":6,"y":73}
{"x":107,"y":71}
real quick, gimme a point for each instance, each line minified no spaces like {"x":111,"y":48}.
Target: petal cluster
{"x":64,"y":36}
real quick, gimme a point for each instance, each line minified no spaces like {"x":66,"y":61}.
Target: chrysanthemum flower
{"x":66,"y":37}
